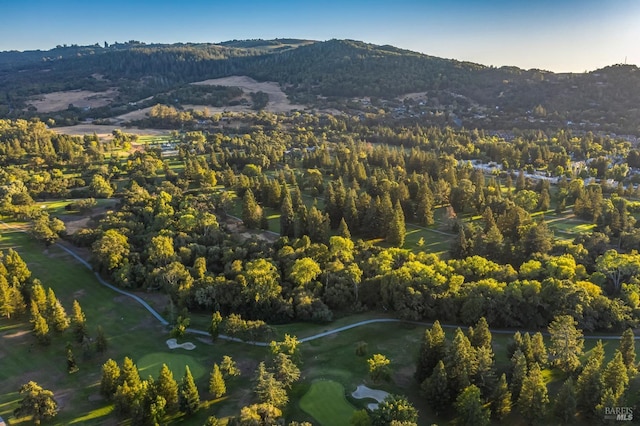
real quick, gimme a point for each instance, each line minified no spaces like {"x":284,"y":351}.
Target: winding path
{"x":301,"y":340}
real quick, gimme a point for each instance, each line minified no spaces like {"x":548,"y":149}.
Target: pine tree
{"x":565,"y":404}
{"x":501,"y":399}
{"x":189,"y":396}
{"x":566,"y":343}
{"x":40,"y":326}
{"x":470,"y":409}
{"x":481,"y":335}
{"x":515,"y":344}
{"x":425,"y":205}
{"x":39,"y":297}
{"x":485,"y":375}
{"x":615,"y":375}
{"x":110,"y":379}
{"x":251,"y":211}
{"x":533,"y":399}
{"x":609,"y":399}
{"x":589,"y":383}
{"x":343,"y":229}
{"x":57,"y":315}
{"x":130,"y":374}
{"x":527,"y":349}
{"x":628,"y":349}
{"x":217,"y":386}
{"x":287,"y":216}
{"x":351,"y":214}
{"x":214,"y":325}
{"x":460,"y":248}
{"x":268,"y":389}
{"x":461,"y":362}
{"x":436,"y":389}
{"x":396,"y":231}
{"x":72,"y":365}
{"x":101,"y":340}
{"x":11,"y":299}
{"x":78,"y":322}
{"x":167,"y":387}
{"x":432,"y":350}
{"x":519,"y":365}
{"x":539,"y":350}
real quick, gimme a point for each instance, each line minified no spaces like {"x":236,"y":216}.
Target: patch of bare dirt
{"x":138,"y":114}
{"x":60,"y":101}
{"x":415,"y":96}
{"x":105,"y":130}
{"x":278,"y":101}
{"x":16,"y":334}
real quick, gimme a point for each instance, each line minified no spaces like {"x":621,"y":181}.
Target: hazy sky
{"x":557,"y":35}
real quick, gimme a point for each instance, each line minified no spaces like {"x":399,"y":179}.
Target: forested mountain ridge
{"x":329,"y":74}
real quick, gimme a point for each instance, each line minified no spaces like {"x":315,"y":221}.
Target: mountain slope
{"x":335,"y":69}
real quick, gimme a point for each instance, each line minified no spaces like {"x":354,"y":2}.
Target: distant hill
{"x":332,"y":72}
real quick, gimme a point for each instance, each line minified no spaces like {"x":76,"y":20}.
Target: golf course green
{"x":325,"y":401}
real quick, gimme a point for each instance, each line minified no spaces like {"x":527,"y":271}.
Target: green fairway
{"x":326,"y":402}
{"x":151,"y":364}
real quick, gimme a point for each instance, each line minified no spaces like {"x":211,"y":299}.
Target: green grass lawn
{"x":326,"y":402}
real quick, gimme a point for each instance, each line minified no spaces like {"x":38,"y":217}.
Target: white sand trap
{"x":363,"y":391}
{"x":173,"y":344}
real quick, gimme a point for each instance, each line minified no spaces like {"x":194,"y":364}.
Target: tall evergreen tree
{"x":110,"y":379}
{"x":539,"y":350}
{"x":397,"y":231}
{"x":436,"y":389}
{"x":481,"y":334}
{"x":470,"y":409}
{"x":533,"y":399}
{"x":217,"y":387}
{"x":101,"y":340}
{"x":485,"y":375}
{"x":501,"y":399}
{"x":461,"y":362}
{"x":615,"y":375}
{"x":565,"y":404}
{"x":40,"y":326}
{"x":214,"y":325}
{"x":519,"y":372}
{"x":251,"y":211}
{"x":566,"y":343}
{"x":432,"y":350}
{"x":188,"y":395}
{"x":57,"y":314}
{"x":589,"y":383}
{"x":167,"y":387}
{"x":627,"y":348}
{"x":130,"y":374}
{"x":268,"y":389}
{"x":287,"y":216}
{"x":78,"y":322}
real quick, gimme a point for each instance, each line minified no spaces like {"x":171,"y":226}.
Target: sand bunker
{"x":363,"y":392}
{"x":173,"y":344}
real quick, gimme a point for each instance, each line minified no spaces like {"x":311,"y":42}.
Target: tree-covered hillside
{"x":329,"y":74}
